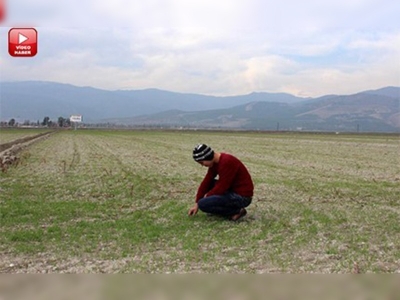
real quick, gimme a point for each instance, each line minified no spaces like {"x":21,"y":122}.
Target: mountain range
{"x":372,"y":110}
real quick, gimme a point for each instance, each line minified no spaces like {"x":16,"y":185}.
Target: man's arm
{"x":202,"y":191}
{"x":204,"y":187}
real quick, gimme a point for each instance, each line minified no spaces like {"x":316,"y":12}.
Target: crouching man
{"x":226,"y":189}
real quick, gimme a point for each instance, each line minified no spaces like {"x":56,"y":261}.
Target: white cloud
{"x":213,"y":47}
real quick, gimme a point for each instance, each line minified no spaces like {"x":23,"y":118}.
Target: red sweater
{"x":233,"y":176}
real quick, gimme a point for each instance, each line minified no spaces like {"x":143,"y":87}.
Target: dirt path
{"x":9,"y":151}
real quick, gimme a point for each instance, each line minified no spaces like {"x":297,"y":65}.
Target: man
{"x":228,"y":195}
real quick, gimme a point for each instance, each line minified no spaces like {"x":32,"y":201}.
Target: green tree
{"x":46,"y":121}
{"x":61,"y":122}
{"x":11,"y":123}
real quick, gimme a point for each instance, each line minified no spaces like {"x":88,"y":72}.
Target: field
{"x":11,"y":134}
{"x":117,"y":201}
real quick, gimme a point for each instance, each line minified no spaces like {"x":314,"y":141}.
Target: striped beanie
{"x":203,"y":152}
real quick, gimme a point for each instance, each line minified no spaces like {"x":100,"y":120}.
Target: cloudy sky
{"x":219,"y":47}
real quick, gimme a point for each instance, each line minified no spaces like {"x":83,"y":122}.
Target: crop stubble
{"x":114,"y":201}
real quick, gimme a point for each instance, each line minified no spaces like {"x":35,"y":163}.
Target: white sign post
{"x":75,"y":119}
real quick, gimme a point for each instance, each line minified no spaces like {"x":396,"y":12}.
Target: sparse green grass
{"x":117,"y":201}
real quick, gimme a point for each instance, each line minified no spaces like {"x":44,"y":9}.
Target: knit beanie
{"x":203,"y":152}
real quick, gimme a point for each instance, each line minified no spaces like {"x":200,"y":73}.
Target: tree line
{"x":61,"y":122}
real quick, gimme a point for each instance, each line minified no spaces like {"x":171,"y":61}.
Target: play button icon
{"x":22,"y":38}
{"x":22,"y":42}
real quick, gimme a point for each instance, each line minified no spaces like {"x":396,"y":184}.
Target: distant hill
{"x":32,"y":100}
{"x":372,"y":110}
{"x":377,"y":111}
{"x":391,"y":91}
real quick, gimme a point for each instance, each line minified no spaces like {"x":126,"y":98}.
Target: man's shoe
{"x":240,"y":215}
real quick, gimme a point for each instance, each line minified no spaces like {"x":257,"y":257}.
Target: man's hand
{"x":193,"y":210}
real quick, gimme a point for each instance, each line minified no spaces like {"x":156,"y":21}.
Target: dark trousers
{"x":225,"y":205}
